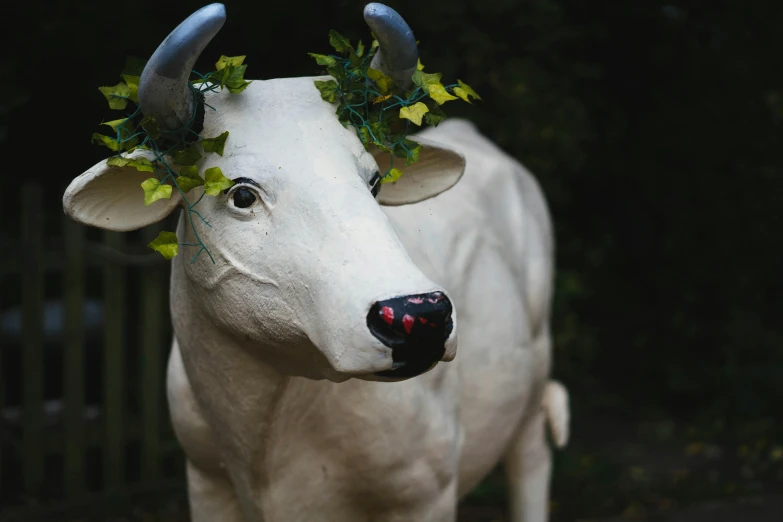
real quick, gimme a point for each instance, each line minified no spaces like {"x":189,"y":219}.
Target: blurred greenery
{"x":654,"y":128}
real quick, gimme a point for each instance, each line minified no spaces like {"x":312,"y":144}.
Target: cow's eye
{"x":243,"y":197}
{"x":375,"y":184}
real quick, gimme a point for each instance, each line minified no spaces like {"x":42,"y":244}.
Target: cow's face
{"x":307,"y":274}
{"x":308,"y":271}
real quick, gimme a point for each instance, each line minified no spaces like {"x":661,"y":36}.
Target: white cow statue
{"x":303,"y":379}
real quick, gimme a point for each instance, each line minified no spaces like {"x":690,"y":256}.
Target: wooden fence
{"x":58,"y":442}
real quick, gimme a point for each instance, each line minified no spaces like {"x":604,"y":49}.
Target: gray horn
{"x":164,"y":93}
{"x":398,"y":54}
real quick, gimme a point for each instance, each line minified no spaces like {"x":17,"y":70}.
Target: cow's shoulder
{"x":492,"y":171}
{"x":489,"y":170}
{"x":500,"y":203}
{"x":466,"y":137}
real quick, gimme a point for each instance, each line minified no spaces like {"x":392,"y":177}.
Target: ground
{"x":613,"y":470}
{"x":657,"y":471}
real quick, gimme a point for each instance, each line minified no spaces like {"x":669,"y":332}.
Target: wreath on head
{"x":381,"y":108}
{"x":175,"y":151}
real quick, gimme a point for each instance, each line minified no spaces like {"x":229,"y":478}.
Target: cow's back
{"x":488,"y":240}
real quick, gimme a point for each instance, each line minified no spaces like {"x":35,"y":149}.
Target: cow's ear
{"x":111,"y":198}
{"x":438,"y":169}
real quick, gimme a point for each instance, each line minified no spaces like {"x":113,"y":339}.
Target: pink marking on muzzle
{"x":388,"y":314}
{"x":407,"y":322}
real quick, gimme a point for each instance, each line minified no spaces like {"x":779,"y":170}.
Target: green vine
{"x":380,"y":111}
{"x":367,"y":100}
{"x":180,"y":147}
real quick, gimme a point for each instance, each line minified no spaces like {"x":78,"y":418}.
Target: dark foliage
{"x":653,"y":127}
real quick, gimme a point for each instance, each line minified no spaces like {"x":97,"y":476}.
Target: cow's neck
{"x":237,"y":391}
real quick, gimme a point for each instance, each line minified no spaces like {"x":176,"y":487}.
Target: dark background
{"x":655,"y":131}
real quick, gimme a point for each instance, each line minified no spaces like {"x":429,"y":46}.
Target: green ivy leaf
{"x":215,"y":181}
{"x":322,"y":59}
{"x":438,"y":93}
{"x":233,"y":74}
{"x":430,"y":83}
{"x":355,"y":61}
{"x":215,"y":145}
{"x":226,"y":73}
{"x":151,"y":127}
{"x":115,"y":123}
{"x":423,"y":79}
{"x":336,"y":71}
{"x":391,"y":176}
{"x":414,"y":112}
{"x":383,"y":147}
{"x":358,"y":85}
{"x":343,"y":116}
{"x":125,"y":130}
{"x":400,"y":151}
{"x":359,"y":49}
{"x":383,"y":82}
{"x":236,"y":80}
{"x":117,"y":161}
{"x":364,"y":136}
{"x":142,"y":165}
{"x":465,"y":91}
{"x":117,"y":95}
{"x":186,"y":157}
{"x":153,"y":191}
{"x":166,"y":243}
{"x":138,"y":147}
{"x":414,"y":150}
{"x":229,"y":61}
{"x":189,"y":179}
{"x":133,"y":86}
{"x":129,"y":144}
{"x":435,"y":116}
{"x":106,"y":141}
{"x":380,"y":130}
{"x":339,"y":42}
{"x":328,"y":89}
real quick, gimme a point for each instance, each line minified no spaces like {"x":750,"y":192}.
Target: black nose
{"x":415,"y":327}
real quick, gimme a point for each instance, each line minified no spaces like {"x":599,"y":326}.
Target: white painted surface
{"x":270,"y":378}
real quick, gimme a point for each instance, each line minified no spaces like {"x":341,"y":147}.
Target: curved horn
{"x":164,"y":93}
{"x":398,"y":54}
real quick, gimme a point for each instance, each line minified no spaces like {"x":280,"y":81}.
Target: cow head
{"x":307,"y":269}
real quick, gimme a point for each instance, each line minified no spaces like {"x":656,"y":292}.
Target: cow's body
{"x":266,"y":446}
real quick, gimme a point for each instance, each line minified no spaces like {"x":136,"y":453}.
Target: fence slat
{"x":2,"y":382}
{"x":2,"y":408}
{"x":113,"y":372}
{"x":153,"y":320}
{"x":74,"y":357}
{"x":32,"y":333}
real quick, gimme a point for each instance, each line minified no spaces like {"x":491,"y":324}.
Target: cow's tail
{"x":558,"y":416}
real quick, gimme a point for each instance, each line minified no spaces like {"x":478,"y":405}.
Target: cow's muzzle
{"x":416,"y":328}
